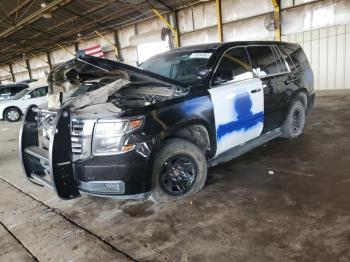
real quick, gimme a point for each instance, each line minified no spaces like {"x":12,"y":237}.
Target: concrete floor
{"x":301,"y":212}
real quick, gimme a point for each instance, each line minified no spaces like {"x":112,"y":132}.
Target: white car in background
{"x":13,"y":109}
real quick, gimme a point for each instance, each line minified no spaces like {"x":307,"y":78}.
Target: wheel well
{"x":302,"y":97}
{"x":197,"y":134}
{"x":19,"y":110}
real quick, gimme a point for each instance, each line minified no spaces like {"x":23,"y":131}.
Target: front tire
{"x":179,"y":170}
{"x":12,"y":114}
{"x":294,"y":123}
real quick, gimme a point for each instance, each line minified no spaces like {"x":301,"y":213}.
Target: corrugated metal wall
{"x":328,"y":50}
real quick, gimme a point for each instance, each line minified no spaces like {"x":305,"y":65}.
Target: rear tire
{"x":179,"y":170}
{"x":294,"y":123}
{"x":12,"y":114}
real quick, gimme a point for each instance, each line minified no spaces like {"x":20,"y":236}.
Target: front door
{"x":238,"y":100}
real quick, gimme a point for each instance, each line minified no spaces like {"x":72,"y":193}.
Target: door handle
{"x":255,"y":90}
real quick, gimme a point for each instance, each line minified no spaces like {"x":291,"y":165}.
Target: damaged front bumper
{"x":122,"y":176}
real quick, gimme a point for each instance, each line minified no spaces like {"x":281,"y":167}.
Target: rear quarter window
{"x":263,"y":60}
{"x":17,"y":89}
{"x":297,"y":55}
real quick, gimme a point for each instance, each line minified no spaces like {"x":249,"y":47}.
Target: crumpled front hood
{"x":68,"y":76}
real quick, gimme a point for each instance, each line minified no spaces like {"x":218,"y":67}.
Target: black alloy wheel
{"x":178,"y":175}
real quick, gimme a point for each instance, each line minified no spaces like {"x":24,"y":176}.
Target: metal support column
{"x":117,"y":45}
{"x":29,"y":69}
{"x":49,"y":60}
{"x":34,"y":55}
{"x":176,"y":25}
{"x":12,"y":74}
{"x":110,"y":42}
{"x":76,"y":47}
{"x":219,"y":20}
{"x":65,"y":49}
{"x":277,"y":19}
{"x":165,"y":21}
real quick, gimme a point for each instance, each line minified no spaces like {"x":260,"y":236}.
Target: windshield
{"x":20,"y":94}
{"x":183,"y":67}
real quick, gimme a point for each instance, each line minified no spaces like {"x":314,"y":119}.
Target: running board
{"x":244,"y":148}
{"x":40,"y":180}
{"x":38,"y":152}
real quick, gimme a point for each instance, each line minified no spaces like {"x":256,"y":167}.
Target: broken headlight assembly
{"x":109,"y":135}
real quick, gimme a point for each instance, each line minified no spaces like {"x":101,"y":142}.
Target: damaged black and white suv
{"x":153,"y":131}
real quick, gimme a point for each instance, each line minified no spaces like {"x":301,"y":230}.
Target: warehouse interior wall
{"x":321,"y":27}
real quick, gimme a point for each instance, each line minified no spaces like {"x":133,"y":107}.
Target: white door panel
{"x":39,"y":101}
{"x":238,"y":111}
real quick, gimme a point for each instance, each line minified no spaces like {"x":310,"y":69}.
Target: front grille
{"x":81,"y":135}
{"x":77,"y":138}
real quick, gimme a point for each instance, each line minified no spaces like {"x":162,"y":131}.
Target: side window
{"x":42,"y":91}
{"x":2,"y":91}
{"x":263,"y":60}
{"x":16,"y":89}
{"x":234,"y":65}
{"x":297,"y":54}
{"x":282,"y":67}
{"x":286,"y":52}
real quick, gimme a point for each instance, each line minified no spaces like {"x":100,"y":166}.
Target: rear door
{"x":269,"y":68}
{"x":36,"y":97}
{"x":4,"y":93}
{"x":237,"y":99}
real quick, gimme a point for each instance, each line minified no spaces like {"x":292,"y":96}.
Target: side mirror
{"x":27,"y":97}
{"x":222,"y":76}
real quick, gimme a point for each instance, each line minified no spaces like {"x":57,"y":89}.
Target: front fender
{"x":196,"y":110}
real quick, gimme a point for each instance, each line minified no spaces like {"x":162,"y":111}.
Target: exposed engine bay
{"x":116,"y":87}
{"x":141,"y":94}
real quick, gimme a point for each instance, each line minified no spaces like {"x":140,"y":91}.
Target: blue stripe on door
{"x":245,"y":118}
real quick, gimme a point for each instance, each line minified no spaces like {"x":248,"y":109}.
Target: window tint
{"x":3,"y":90}
{"x":296,"y":53}
{"x":263,"y":60}
{"x":16,"y":89}
{"x":42,"y":91}
{"x":282,"y":67}
{"x":181,"y":66}
{"x":234,"y":65}
{"x":286,"y":52}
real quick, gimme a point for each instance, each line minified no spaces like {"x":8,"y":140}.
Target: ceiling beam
{"x":70,"y":20}
{"x":13,"y":11}
{"x":90,"y":25}
{"x":33,"y":17}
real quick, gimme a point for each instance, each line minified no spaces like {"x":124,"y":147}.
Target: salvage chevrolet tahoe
{"x":155,"y":130}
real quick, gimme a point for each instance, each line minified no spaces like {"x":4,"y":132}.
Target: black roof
{"x":213,"y":46}
{"x":13,"y":85}
{"x":210,"y":46}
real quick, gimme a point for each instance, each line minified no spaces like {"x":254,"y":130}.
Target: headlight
{"x":109,"y":136}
